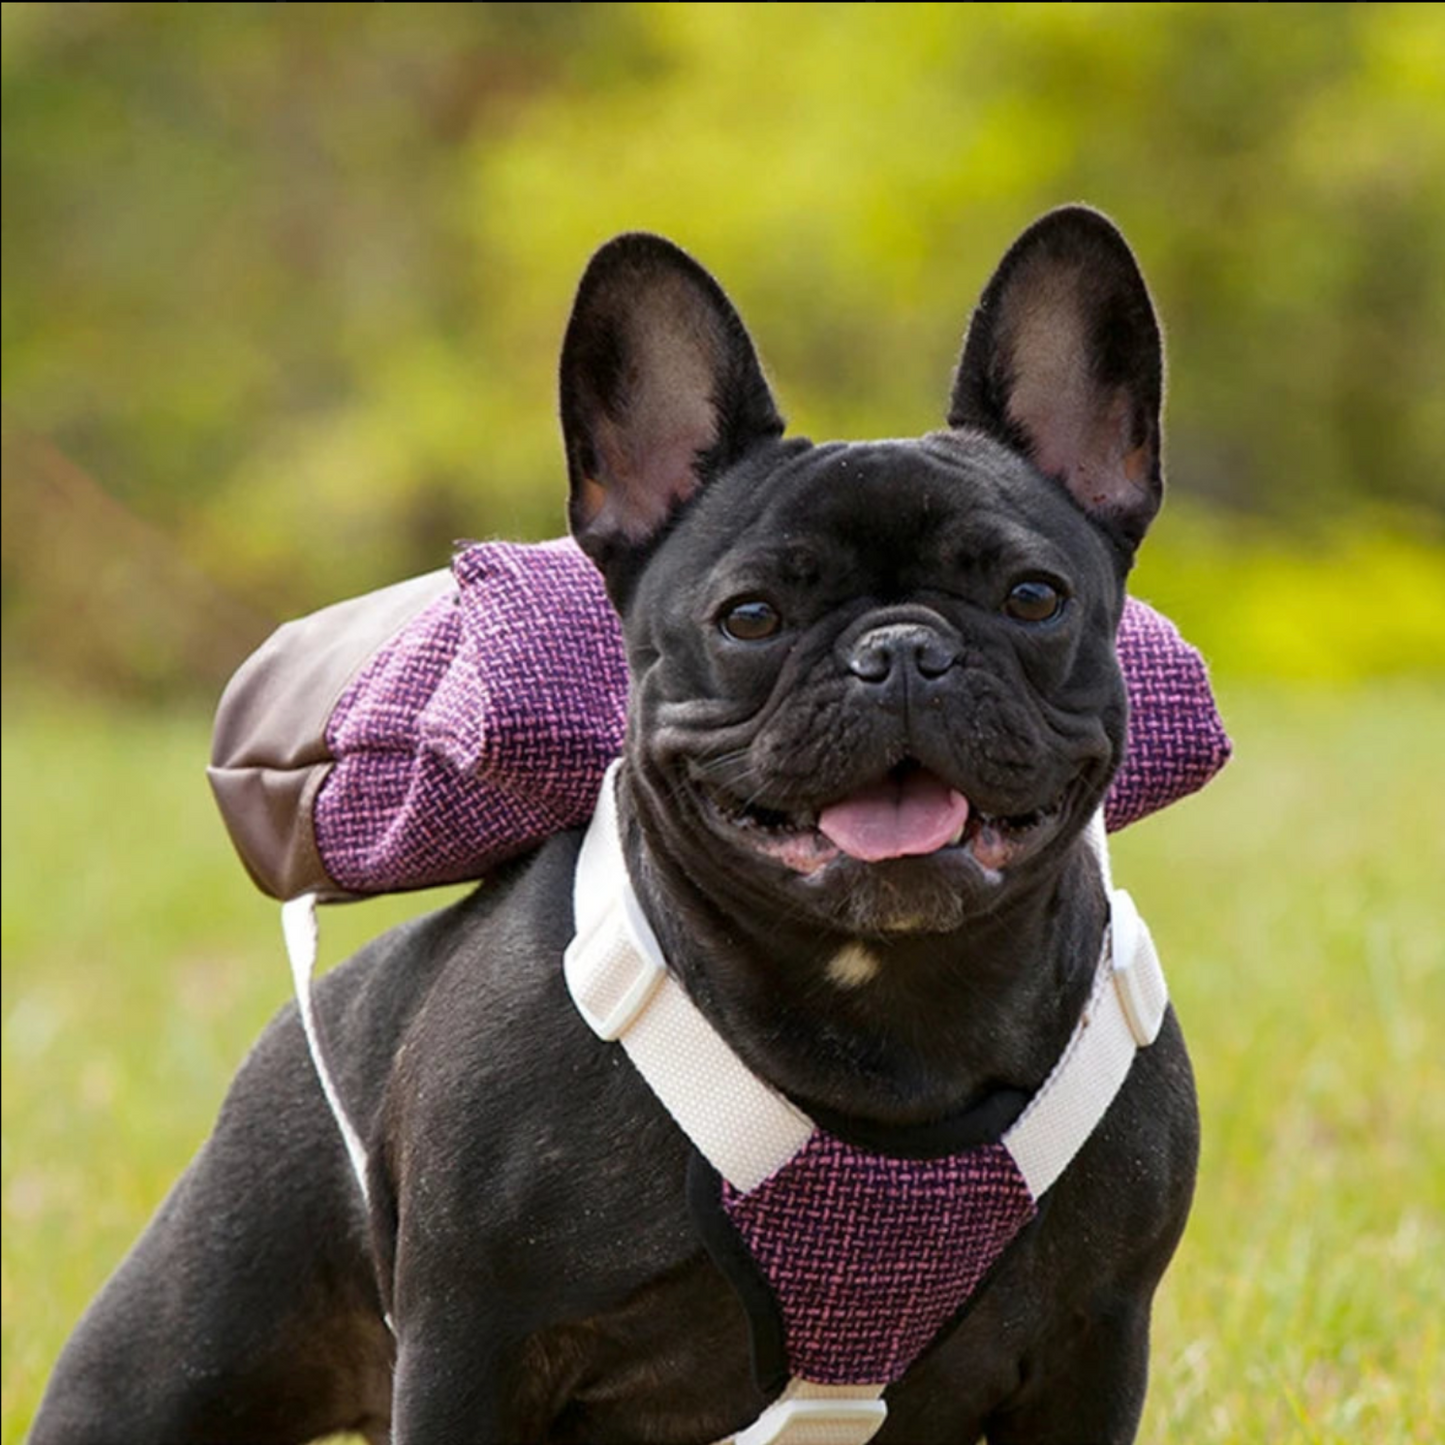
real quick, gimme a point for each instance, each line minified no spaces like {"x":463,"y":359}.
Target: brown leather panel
{"x":267,"y":812}
{"x":269,"y":755}
{"x":274,"y":711}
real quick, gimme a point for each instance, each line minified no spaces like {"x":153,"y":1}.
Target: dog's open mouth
{"x":909,"y":812}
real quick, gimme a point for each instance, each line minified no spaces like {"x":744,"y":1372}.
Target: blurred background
{"x":283,"y":293}
{"x":284,"y":290}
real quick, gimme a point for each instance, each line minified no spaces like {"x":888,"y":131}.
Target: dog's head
{"x":874,"y":684}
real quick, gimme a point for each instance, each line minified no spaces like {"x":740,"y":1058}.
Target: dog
{"x":874,"y":707}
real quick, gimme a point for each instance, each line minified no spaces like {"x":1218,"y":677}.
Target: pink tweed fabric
{"x":485,"y":725}
{"x":481,"y":729}
{"x":1176,"y":739}
{"x":869,"y":1256}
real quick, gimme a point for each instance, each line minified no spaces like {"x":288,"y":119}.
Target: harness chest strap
{"x":620,"y":984}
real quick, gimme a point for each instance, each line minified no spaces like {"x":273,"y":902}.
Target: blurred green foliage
{"x":284,"y":286}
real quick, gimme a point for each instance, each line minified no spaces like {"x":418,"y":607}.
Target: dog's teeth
{"x":957,"y":836}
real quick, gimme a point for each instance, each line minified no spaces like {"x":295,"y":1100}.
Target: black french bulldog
{"x":875,"y":702}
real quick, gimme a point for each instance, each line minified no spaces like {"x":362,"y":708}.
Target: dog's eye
{"x":1034,"y":601}
{"x":751,"y":621}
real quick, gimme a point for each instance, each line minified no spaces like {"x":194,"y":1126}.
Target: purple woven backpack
{"x":424,"y":733}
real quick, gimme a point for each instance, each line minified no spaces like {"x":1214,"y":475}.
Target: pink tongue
{"x":895,"y":818}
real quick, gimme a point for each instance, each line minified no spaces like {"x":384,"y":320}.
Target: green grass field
{"x":1299,"y":908}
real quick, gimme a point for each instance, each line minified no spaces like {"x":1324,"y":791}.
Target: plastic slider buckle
{"x":612,"y":979}
{"x":1138,"y":978}
{"x":838,"y":1421}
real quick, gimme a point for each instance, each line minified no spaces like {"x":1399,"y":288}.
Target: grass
{"x":1297,"y":907}
{"x":1298,"y":910}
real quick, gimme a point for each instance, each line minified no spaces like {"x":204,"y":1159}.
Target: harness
{"x":850,"y":1259}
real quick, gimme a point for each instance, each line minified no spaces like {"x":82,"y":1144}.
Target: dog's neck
{"x":898,"y":1031}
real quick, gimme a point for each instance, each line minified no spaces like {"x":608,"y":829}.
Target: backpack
{"x":424,"y":733}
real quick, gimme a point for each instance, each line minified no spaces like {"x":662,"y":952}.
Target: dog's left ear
{"x":661,"y":389}
{"x":1063,"y":362}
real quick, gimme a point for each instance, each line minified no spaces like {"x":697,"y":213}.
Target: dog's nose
{"x":899,"y":646}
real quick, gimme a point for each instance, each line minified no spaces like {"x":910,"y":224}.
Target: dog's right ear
{"x":661,"y":390}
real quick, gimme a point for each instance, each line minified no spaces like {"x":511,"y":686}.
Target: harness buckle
{"x":836,"y":1420}
{"x":611,"y":979}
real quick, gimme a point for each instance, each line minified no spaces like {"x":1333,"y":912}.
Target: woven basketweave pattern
{"x":485,"y":725}
{"x":483,"y":728}
{"x":870,"y":1256}
{"x":1176,"y":739}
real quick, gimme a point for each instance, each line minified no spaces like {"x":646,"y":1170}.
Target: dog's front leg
{"x":1084,"y":1390}
{"x":452,"y":1383}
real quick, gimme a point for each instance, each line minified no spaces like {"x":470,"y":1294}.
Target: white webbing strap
{"x":1123,"y":1015}
{"x":620,"y":983}
{"x":298,"y":924}
{"x":1097,"y":836}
